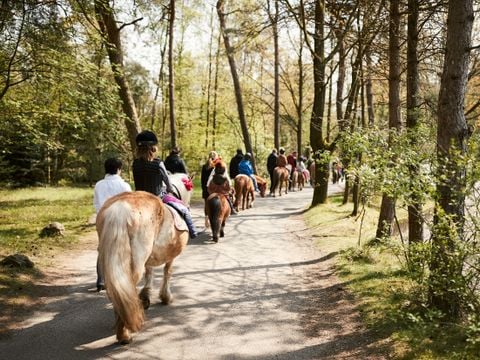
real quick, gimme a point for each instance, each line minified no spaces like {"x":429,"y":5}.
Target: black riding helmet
{"x":146,"y":138}
{"x":247,"y":156}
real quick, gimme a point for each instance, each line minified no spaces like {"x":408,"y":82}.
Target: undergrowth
{"x":391,"y":303}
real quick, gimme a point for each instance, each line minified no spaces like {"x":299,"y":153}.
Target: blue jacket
{"x":245,"y":167}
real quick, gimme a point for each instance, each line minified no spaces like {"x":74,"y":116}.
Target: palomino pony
{"x":300,"y":183}
{"x":138,"y":232}
{"x":280,"y":179}
{"x":218,"y":210}
{"x":244,"y":191}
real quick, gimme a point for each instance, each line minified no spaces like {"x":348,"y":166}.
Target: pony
{"x":182,"y":186}
{"x":244,"y":191}
{"x":280,"y":178}
{"x":136,"y":232}
{"x":218,"y":210}
{"x":262,"y":185}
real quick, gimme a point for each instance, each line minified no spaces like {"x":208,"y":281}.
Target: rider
{"x":149,"y":174}
{"x":245,"y":167}
{"x":174,"y":163}
{"x":281,"y":158}
{"x":233,"y":168}
{"x":271,"y":164}
{"x":109,"y":186}
{"x":220,"y":183}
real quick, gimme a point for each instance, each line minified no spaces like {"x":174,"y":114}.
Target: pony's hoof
{"x":166,"y":300}
{"x":125,"y":341}
{"x":215,"y":240}
{"x":145,"y":303}
{"x":145,"y":299}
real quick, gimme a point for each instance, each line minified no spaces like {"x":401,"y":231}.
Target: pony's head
{"x":262,"y":185}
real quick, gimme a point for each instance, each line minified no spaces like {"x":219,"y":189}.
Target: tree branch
{"x":130,"y":23}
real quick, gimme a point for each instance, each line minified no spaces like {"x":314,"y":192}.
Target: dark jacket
{"x":206,"y":171}
{"x":233,"y":168}
{"x":175,"y":164}
{"x":150,"y":175}
{"x":271,"y":162}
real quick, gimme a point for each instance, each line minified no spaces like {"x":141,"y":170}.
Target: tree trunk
{"x":276,"y":78}
{"x":209,"y":81}
{"x":215,"y":92}
{"x":452,"y":134}
{"x":236,"y":82}
{"x":340,"y":79}
{"x":111,"y":37}
{"x":387,"y":209}
{"x":159,"y":89}
{"x":369,"y":92}
{"x":415,"y":222}
{"x":300,"y":95}
{"x":329,"y":106}
{"x":316,"y":122}
{"x":171,"y":84}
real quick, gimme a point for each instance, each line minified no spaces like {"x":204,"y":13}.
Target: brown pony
{"x":136,"y":232}
{"x":262,"y":185}
{"x":244,"y":192}
{"x":218,"y":210}
{"x":280,"y":178}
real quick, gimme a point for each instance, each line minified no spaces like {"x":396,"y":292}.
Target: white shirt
{"x":104,"y":189}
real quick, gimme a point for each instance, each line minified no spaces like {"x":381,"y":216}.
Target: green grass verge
{"x":23,"y":214}
{"x":375,"y":276}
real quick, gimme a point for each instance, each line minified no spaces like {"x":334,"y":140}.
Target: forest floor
{"x":263,"y":292}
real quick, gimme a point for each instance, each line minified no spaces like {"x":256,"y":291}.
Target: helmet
{"x":146,"y":138}
{"x":247,"y":156}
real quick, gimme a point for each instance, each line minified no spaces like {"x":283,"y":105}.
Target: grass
{"x":23,"y":214}
{"x":385,"y":294}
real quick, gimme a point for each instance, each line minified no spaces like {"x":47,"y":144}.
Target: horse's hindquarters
{"x":218,"y":210}
{"x":134,"y":229}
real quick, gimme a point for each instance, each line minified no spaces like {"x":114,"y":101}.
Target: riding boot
{"x":191,"y":227}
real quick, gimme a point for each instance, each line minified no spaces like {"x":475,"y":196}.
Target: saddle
{"x":178,"y":220}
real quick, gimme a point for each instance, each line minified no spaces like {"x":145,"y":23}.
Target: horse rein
{"x":177,"y":193}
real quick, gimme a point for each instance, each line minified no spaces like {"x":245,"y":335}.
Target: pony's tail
{"x":214,"y":210}
{"x":274,"y":181}
{"x":115,"y":259}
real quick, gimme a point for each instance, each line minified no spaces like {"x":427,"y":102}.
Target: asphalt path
{"x":262,"y":292}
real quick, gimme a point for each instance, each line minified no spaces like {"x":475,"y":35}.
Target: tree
{"x":236,"y":81}
{"x":452,"y":135}
{"x":171,"y":83}
{"x":387,"y":208}
{"x":276,"y":107}
{"x":415,"y":222}
{"x":111,"y":37}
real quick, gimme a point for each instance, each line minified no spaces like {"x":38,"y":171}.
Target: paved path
{"x":262,"y":292}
